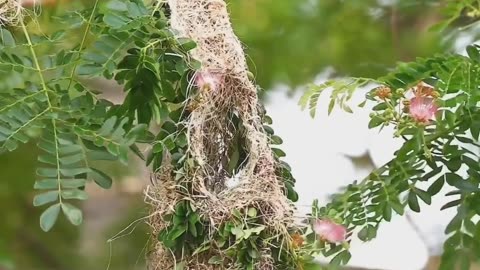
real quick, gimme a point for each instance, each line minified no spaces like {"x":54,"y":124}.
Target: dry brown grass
{"x":10,"y":12}
{"x":210,"y":133}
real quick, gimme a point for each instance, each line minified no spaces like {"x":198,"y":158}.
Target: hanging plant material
{"x":230,"y":181}
{"x":10,"y":12}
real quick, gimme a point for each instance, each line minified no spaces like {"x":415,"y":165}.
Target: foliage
{"x":46,"y":98}
{"x":462,"y":13}
{"x":73,"y":125}
{"x":439,"y":153}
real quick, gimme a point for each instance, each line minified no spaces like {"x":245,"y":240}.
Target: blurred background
{"x":289,"y":43}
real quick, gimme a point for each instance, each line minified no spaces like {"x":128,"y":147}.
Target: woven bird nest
{"x":10,"y":12}
{"x":209,"y":132}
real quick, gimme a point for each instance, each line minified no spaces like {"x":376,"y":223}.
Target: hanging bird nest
{"x":10,"y":12}
{"x":229,"y":92}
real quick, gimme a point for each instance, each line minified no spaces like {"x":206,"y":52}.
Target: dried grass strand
{"x":10,"y":12}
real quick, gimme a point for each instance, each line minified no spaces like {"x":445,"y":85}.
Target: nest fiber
{"x":210,"y":133}
{"x":10,"y":12}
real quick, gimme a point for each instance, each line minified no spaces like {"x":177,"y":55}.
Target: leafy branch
{"x":430,"y":149}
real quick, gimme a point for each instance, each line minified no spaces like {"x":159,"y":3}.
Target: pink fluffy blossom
{"x":208,"y":81}
{"x":422,"y":109}
{"x":330,"y":231}
{"x":31,"y":3}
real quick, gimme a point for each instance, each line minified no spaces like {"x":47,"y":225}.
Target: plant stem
{"x":84,"y":39}
{"x":37,"y":64}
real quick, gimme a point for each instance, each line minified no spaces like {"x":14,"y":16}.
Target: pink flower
{"x":208,"y":81}
{"x":330,"y":231}
{"x":31,"y":3}
{"x":422,"y":109}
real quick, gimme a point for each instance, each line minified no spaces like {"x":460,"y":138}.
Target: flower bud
{"x":383,"y":92}
{"x":297,"y":240}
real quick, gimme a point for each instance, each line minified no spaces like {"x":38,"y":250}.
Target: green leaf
{"x":375,"y":122}
{"x":455,"y":224}
{"x":187,"y":44}
{"x":107,"y":127}
{"x":88,"y":69}
{"x":72,"y":159}
{"x":46,"y":184}
{"x":451,"y":204}
{"x":255,"y":231}
{"x":367,"y":233}
{"x":413,"y":202}
{"x":424,"y":196}
{"x":101,"y":155}
{"x":475,"y":130}
{"x":331,"y":105}
{"x":102,"y":179}
{"x":387,"y":212}
{"x":47,"y":172}
{"x":193,"y":230}
{"x":70,"y":149}
{"x":278,"y":152}
{"x":276,"y":140}
{"x":436,"y":187}
{"x":115,"y":20}
{"x":397,"y":207}
{"x":193,"y":218}
{"x":177,"y":231}
{"x":49,"y":217}
{"x":460,"y":183}
{"x":48,"y":159}
{"x":6,"y":38}
{"x":73,"y":183}
{"x":473,"y":53}
{"x":74,"y":215}
{"x":74,"y":171}
{"x":454,"y":164}
{"x":75,"y":194}
{"x":341,"y":258}
{"x":268,"y":130}
{"x":44,"y":198}
{"x":238,"y":232}
{"x":117,"y":5}
{"x":453,"y":179}
{"x":267,"y":120}
{"x":291,"y":193}
{"x":137,"y":131}
{"x":380,"y":107}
